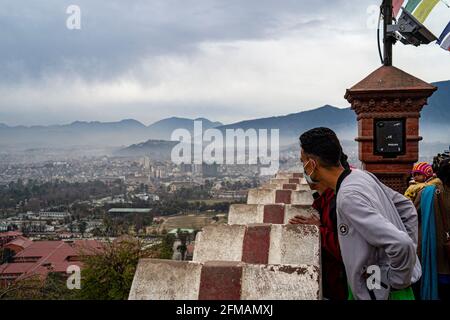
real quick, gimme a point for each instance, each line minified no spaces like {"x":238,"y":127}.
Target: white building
{"x":54,"y":215}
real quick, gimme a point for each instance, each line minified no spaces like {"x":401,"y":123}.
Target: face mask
{"x":308,"y":176}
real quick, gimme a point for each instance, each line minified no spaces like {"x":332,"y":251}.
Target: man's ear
{"x":314,"y":160}
{"x":317,"y":163}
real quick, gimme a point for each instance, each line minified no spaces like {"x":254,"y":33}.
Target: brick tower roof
{"x":389,"y":78}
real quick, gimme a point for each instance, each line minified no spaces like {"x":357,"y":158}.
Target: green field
{"x":189,"y":222}
{"x":212,"y":201}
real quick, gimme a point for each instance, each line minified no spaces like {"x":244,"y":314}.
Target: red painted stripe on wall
{"x":274,"y":213}
{"x":256,"y":244}
{"x":290,"y":186}
{"x":220,"y":281}
{"x":283,"y":196}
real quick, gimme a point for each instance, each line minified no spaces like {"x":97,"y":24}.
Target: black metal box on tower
{"x":390,"y":137}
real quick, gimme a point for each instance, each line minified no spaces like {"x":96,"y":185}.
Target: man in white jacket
{"x":377,"y":226}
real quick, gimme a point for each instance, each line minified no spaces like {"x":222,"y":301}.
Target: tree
{"x":138,"y":222}
{"x":165,"y":249}
{"x":82,"y":227}
{"x":182,"y":248}
{"x":96,"y":232}
{"x":25,"y":288}
{"x":33,"y":287}
{"x":55,"y":288}
{"x":107,"y":275}
{"x":5,"y":255}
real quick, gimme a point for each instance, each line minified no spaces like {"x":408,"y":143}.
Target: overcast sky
{"x":227,"y":60}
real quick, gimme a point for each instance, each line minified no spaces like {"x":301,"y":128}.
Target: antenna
{"x":388,"y":39}
{"x":407,"y":29}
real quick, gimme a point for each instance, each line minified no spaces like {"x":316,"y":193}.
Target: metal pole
{"x":387,"y":39}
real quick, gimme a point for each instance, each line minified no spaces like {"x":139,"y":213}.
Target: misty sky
{"x":225,"y":60}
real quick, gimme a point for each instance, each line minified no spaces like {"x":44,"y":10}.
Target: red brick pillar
{"x":389,"y":97}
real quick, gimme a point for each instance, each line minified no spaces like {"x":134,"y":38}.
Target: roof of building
{"x":87,"y":246}
{"x":129,"y":210}
{"x":391,"y":78}
{"x":20,"y":241}
{"x":31,"y":268}
{"x":49,"y":256}
{"x":54,"y":212}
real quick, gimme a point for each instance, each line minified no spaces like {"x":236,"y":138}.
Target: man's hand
{"x":303,"y":220}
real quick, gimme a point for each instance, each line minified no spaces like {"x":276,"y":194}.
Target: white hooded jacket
{"x":377,"y":226}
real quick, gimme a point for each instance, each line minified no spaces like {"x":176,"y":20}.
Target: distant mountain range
{"x":434,"y":127}
{"x":342,"y":121}
{"x":435,"y":117}
{"x":435,"y":120}
{"x":106,"y":134}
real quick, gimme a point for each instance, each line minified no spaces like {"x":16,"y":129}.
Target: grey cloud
{"x":116,"y":35}
{"x":172,"y":52}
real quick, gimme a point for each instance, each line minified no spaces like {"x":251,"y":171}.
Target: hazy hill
{"x":155,"y":149}
{"x":81,"y":133}
{"x":164,"y":128}
{"x":343,"y":121}
{"x":435,"y":120}
{"x":434,"y":127}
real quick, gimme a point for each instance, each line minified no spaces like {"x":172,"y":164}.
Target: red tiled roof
{"x":46,"y":249}
{"x":9,"y":268}
{"x":20,"y":242}
{"x":55,"y":256}
{"x":87,"y":245}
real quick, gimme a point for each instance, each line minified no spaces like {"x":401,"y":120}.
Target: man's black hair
{"x":444,"y":172}
{"x":344,"y":161}
{"x":324,"y":144}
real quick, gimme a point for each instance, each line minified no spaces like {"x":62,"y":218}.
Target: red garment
{"x":333,"y":271}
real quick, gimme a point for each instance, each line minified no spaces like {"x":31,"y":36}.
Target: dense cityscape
{"x":97,"y":200}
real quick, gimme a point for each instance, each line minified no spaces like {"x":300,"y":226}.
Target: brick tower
{"x":388,"y":104}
